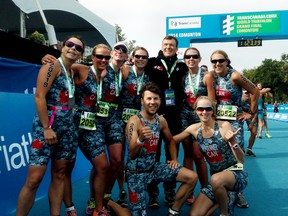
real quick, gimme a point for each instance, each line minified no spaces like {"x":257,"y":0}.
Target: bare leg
{"x":28,"y":192}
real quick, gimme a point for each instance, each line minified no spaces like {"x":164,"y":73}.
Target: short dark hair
{"x":170,"y":37}
{"x":150,"y":86}
{"x":77,"y":37}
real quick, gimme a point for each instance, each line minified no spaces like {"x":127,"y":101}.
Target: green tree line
{"x":272,"y":74}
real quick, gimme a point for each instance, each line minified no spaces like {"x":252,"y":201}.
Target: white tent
{"x":67,"y":16}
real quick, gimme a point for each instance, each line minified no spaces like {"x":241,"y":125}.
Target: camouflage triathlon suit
{"x":86,"y":97}
{"x":219,"y":155}
{"x":227,"y":94}
{"x":143,"y":169}
{"x":63,"y":126}
{"x":187,"y":113}
{"x":109,"y":128}
{"x":130,"y":97}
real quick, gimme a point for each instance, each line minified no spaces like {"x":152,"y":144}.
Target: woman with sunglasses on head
{"x":218,"y":144}
{"x":229,"y":84}
{"x":53,"y":128}
{"x":196,"y":82}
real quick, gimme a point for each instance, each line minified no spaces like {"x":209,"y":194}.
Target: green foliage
{"x":272,"y":74}
{"x":121,"y":37}
{"x":37,"y":37}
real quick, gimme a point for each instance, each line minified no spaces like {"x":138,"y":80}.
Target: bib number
{"x":226,"y":112}
{"x":127,"y":113}
{"x":102,"y":109}
{"x":87,"y":121}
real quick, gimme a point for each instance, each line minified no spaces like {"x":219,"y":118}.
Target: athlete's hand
{"x":230,"y":136}
{"x":173,"y":164}
{"x":50,"y":136}
{"x":144,"y":132}
{"x":48,"y":59}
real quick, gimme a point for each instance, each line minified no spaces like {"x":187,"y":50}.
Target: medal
{"x":71,"y":102}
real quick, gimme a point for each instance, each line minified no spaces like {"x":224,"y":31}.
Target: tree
{"x":273,"y":74}
{"x":121,"y":37}
{"x":37,"y":37}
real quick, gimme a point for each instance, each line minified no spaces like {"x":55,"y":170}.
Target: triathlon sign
{"x":269,"y":25}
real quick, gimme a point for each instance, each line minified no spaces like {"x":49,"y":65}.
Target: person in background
{"x":204,"y":68}
{"x":167,"y":72}
{"x":262,"y":111}
{"x":276,"y":105}
{"x":134,"y":77}
{"x":53,"y":128}
{"x":196,"y":82}
{"x":225,"y":157}
{"x":251,"y":127}
{"x":229,"y":84}
{"x":143,"y":132}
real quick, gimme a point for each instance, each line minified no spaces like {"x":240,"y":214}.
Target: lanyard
{"x":194,"y":85}
{"x":99,"y":92}
{"x":118,"y":80}
{"x":70,"y":80}
{"x":139,"y":80}
{"x":169,"y":72}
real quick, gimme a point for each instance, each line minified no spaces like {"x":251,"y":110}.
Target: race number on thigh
{"x":87,"y":121}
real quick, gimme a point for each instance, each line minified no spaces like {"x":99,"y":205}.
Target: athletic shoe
{"x":268,"y":135}
{"x":260,"y":137}
{"x":169,"y":197}
{"x":153,"y":203}
{"x":242,"y":203}
{"x":71,"y":211}
{"x":90,"y":207}
{"x":250,"y":153}
{"x":103,"y":212}
{"x":122,"y":200}
{"x":190,"y":200}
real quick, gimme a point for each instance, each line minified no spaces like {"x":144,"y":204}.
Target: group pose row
{"x":104,"y":107}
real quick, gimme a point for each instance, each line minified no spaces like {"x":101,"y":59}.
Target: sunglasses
{"x":141,"y":56}
{"x":201,"y":109}
{"x":195,"y":56}
{"x":102,"y":57}
{"x":214,"y":61}
{"x":70,"y":44}
{"x":120,"y":49}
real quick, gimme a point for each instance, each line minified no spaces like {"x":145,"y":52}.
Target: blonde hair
{"x":100,"y":46}
{"x":213,"y":103}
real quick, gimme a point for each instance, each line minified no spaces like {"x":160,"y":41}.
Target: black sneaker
{"x":122,"y":200}
{"x":170,"y":198}
{"x":153,"y":203}
{"x":250,"y":153}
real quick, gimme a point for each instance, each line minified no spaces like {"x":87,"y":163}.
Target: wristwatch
{"x":235,"y":146}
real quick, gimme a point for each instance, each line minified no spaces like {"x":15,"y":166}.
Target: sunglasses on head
{"x":207,"y":108}
{"x":120,"y":49}
{"x":102,"y":57}
{"x":195,"y":56}
{"x":214,"y":61}
{"x":70,"y":44}
{"x":141,"y":56}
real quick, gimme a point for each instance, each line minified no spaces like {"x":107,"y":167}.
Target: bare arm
{"x":46,"y":76}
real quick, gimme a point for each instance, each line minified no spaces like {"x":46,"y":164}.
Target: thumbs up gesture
{"x":144,"y":131}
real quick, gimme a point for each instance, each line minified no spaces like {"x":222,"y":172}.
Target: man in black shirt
{"x":167,"y":72}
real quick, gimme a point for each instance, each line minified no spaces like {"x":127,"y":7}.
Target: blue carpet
{"x":266,"y":193}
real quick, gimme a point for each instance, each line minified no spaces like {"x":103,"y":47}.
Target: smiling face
{"x":151,"y":102}
{"x":169,"y":47}
{"x":220,"y":62}
{"x":100,"y":57}
{"x":73,"y":48}
{"x":204,"y":109}
{"x":192,"y":58}
{"x":140,"y":58}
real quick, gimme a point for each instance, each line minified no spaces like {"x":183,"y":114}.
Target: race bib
{"x":87,"y":121}
{"x":127,"y":113}
{"x":102,"y":109}
{"x":226,"y":112}
{"x":170,"y":97}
